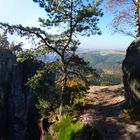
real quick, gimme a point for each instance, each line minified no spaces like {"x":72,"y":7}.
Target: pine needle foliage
{"x":70,"y":19}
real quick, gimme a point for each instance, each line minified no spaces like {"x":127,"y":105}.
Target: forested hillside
{"x":108,"y":64}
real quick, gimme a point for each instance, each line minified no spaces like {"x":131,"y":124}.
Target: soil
{"x":105,"y":110}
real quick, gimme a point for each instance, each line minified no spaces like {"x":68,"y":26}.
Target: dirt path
{"x":104,"y":110}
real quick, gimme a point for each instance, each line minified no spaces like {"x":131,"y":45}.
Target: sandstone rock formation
{"x":18,"y":115}
{"x":131,"y":76}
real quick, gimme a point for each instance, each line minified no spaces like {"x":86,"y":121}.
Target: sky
{"x":26,"y":12}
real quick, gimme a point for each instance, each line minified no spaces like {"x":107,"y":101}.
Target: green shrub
{"x":66,"y":128}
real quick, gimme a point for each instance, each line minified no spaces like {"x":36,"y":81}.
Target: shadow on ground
{"x":106,"y":113}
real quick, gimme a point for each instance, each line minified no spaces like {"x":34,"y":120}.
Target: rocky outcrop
{"x":131,"y":76}
{"x":18,"y":115}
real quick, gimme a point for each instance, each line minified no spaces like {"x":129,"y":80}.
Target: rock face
{"x":131,"y":76}
{"x":18,"y":119}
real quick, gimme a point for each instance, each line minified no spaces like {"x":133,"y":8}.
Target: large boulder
{"x":18,"y":114}
{"x":7,"y":59}
{"x":131,"y":76}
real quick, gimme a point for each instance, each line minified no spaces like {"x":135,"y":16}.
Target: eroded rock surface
{"x":18,"y":119}
{"x":131,"y":75}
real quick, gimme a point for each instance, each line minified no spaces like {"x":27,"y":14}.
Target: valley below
{"x":108,"y":64}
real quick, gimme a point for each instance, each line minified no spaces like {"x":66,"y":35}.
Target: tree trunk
{"x":137,"y":18}
{"x":63,"y":89}
{"x":65,"y":75}
{"x":61,"y":101}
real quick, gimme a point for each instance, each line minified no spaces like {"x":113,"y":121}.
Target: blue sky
{"x":26,"y":12}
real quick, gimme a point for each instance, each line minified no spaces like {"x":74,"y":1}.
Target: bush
{"x":68,"y":129}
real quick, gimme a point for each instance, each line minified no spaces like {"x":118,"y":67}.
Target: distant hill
{"x":107,"y":62}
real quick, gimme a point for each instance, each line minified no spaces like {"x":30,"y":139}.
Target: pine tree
{"x":4,"y":43}
{"x":70,"y":18}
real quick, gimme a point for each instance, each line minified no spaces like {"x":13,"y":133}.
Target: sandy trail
{"x":104,"y":110}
